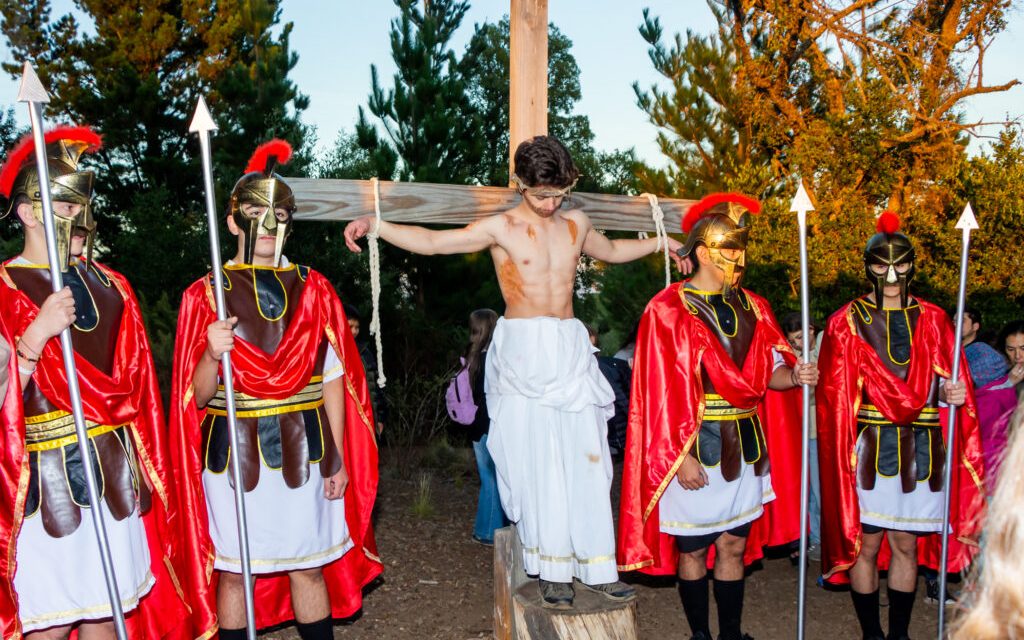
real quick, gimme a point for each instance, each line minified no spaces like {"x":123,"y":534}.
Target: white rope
{"x":659,"y":230}
{"x":373,"y":239}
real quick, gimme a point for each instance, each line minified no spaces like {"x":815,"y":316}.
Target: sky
{"x":338,"y":40}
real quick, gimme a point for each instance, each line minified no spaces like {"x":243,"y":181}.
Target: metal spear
{"x":33,"y":93}
{"x":801,"y":205}
{"x":966,"y":223}
{"x":202,"y":124}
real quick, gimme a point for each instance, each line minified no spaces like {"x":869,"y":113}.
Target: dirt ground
{"x":437,"y":582}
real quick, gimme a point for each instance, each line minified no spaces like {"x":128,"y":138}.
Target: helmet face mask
{"x":264,"y":223}
{"x":724,"y":231}
{"x":889,"y":250}
{"x":67,"y":184}
{"x":260,"y":187}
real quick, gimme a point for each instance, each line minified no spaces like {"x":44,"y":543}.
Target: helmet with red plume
{"x":721,"y":221}
{"x":268,"y":194}
{"x":889,"y":258}
{"x":19,"y":181}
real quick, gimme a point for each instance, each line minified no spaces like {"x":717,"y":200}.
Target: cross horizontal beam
{"x":427,"y":203}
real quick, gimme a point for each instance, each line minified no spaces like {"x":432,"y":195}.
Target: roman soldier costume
{"x":292,"y":338}
{"x":881,"y":426}
{"x":52,"y":570}
{"x":702,"y":365}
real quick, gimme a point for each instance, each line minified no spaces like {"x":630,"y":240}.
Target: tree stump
{"x":519,"y":615}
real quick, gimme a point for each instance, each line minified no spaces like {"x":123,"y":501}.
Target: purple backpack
{"x":459,"y":396}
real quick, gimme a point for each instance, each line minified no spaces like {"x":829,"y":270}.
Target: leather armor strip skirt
{"x":913,"y":452}
{"x":730,"y":436}
{"x":283,"y":434}
{"x":57,"y":489}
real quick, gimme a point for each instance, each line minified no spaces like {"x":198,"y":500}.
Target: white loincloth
{"x":289,"y":529}
{"x":60,"y":581}
{"x":549,"y":406}
{"x":719,"y":506}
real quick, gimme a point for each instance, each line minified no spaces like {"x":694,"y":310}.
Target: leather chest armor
{"x":57,"y":487}
{"x":728,"y":436}
{"x":914,"y":452}
{"x":284,"y":434}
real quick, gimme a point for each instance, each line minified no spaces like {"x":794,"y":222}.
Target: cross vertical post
{"x":528,"y":73}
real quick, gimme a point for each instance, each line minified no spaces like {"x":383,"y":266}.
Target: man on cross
{"x":547,"y":399}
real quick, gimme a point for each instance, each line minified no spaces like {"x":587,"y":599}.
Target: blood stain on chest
{"x":511,"y":282}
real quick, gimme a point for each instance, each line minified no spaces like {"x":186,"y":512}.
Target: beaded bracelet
{"x":17,"y":350}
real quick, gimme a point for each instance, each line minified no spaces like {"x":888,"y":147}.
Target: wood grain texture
{"x":528,"y":72}
{"x":593,"y":617}
{"x":446,"y":204}
{"x":519,"y":615}
{"x":508,"y":576}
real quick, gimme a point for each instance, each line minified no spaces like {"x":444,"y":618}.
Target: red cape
{"x":129,"y":395}
{"x":278,"y":375}
{"x":849,"y":364}
{"x":666,"y":408}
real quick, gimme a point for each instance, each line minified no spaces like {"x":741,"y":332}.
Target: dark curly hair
{"x":543,"y":160}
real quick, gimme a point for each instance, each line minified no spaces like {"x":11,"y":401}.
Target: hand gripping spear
{"x":801,"y":205}
{"x":966,"y":223}
{"x":202,"y":124}
{"x":33,"y":93}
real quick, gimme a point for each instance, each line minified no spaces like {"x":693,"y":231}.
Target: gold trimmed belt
{"x":309,"y":397}
{"x":718,"y":408}
{"x":869,"y":414}
{"x":57,"y":429}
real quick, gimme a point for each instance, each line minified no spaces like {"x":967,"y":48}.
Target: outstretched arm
{"x":469,"y":239}
{"x":597,"y":245}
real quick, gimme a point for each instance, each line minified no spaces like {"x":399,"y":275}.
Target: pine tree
{"x":426,"y":113}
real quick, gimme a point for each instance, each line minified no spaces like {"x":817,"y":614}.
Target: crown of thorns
{"x":543,"y":191}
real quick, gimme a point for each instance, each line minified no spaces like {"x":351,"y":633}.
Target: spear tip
{"x":31,"y":89}
{"x":801,"y":201}
{"x":202,"y":120}
{"x":967,"y":221}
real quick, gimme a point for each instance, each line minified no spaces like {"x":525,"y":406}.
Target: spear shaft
{"x":202,"y":124}
{"x":801,"y":205}
{"x":966,"y":223}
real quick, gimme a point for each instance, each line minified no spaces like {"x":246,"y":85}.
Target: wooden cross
{"x":426,"y":203}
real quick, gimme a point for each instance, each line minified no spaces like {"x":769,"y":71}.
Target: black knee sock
{"x":232,"y":634}
{"x":694,"y":595}
{"x":866,"y":606}
{"x":901,"y":604}
{"x":319,"y":630}
{"x":729,"y":598}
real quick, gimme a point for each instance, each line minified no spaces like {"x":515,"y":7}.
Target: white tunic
{"x":720,"y":505}
{"x":549,"y":406}
{"x":60,"y":580}
{"x":289,"y":529}
{"x":886,"y":505}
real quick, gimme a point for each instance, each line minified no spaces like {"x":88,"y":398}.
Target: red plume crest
{"x":276,"y":148}
{"x":25,"y":148}
{"x":888,"y":222}
{"x":697,"y":210}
